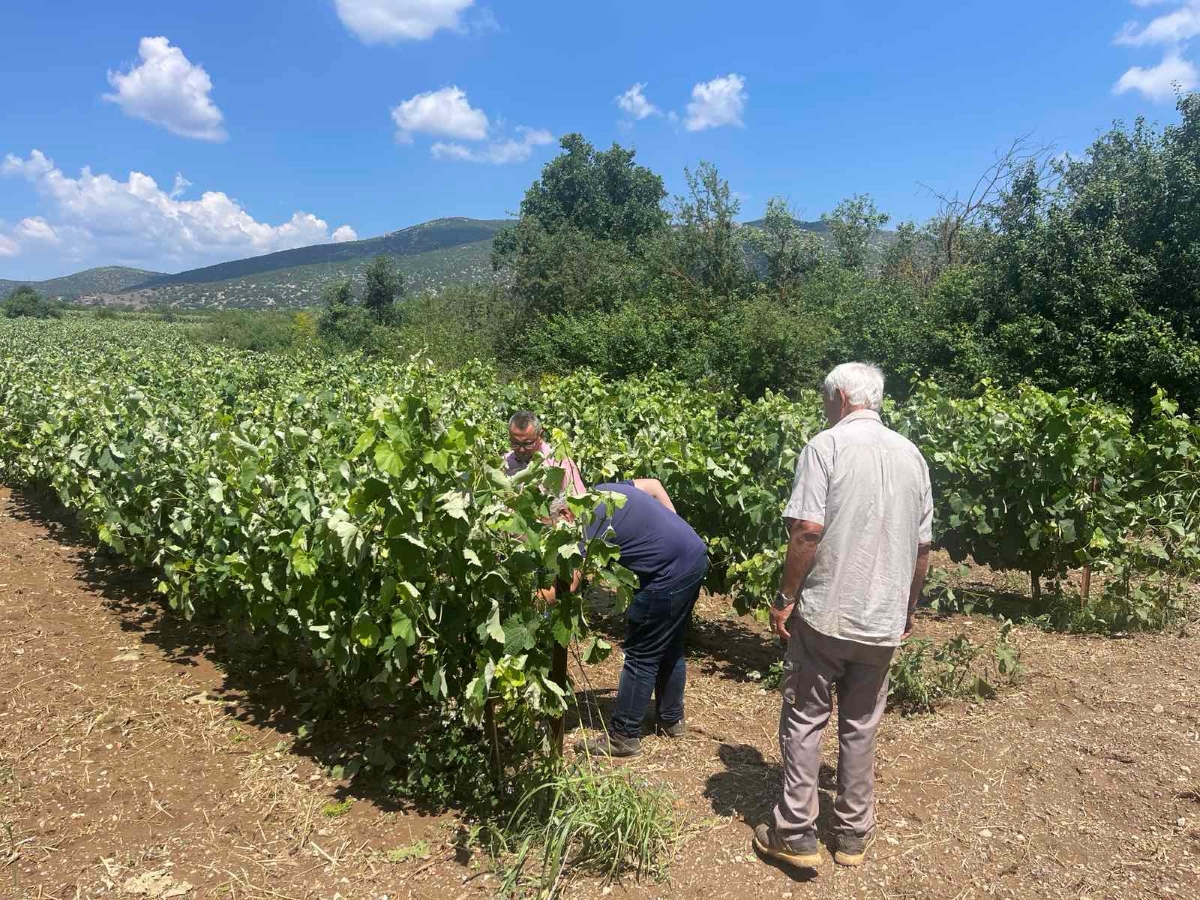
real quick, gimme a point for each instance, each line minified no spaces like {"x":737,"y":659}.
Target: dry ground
{"x":138,"y":760}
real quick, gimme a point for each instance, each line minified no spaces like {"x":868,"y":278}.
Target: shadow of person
{"x":749,"y":788}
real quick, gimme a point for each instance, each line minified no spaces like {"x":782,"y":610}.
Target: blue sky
{"x":269,"y":124}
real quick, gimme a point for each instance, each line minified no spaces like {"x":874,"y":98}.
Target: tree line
{"x":1063,"y":271}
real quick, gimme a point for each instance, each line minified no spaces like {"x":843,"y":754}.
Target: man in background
{"x":527,"y":441}
{"x":860,"y":520}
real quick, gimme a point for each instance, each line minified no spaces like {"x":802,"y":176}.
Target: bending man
{"x":670,"y":560}
{"x":860,"y":519}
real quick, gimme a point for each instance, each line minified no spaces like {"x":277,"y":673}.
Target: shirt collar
{"x":860,"y":414}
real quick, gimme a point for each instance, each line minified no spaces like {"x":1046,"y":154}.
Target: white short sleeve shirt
{"x":869,"y":487}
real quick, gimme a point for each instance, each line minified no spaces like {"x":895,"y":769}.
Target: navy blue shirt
{"x":655,"y":543}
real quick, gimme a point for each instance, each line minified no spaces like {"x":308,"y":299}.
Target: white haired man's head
{"x":852,"y":386}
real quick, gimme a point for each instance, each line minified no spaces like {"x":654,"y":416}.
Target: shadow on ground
{"x":256,"y":688}
{"x":749,"y":788}
{"x":728,"y":648}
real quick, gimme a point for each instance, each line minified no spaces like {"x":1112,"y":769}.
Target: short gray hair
{"x":862,"y":383}
{"x":524,"y":420}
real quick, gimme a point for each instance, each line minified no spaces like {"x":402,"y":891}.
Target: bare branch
{"x":955,"y":213}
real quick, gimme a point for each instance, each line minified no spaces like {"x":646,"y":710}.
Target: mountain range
{"x":431,"y":255}
{"x":105,"y":280}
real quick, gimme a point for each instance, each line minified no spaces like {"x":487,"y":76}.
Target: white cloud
{"x":448,"y":113}
{"x":168,"y":90}
{"x":1172,"y":28}
{"x":389,"y":21}
{"x":100,"y":218}
{"x":443,"y":113}
{"x":8,"y":247}
{"x":634,"y":103}
{"x":36,"y":229}
{"x":343,"y":234}
{"x":1159,"y":82}
{"x":497,"y":153}
{"x":716,"y":103}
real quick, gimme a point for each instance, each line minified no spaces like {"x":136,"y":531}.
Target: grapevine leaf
{"x":304,"y":564}
{"x":494,"y":629}
{"x":388,"y":459}
{"x":366,"y":632}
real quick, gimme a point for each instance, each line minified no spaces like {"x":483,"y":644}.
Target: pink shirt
{"x":572,"y":479}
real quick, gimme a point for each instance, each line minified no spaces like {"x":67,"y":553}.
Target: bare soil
{"x":145,"y":756}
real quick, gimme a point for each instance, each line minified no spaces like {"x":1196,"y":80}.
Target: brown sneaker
{"x":801,"y":853}
{"x":610,"y":745}
{"x":852,"y":848}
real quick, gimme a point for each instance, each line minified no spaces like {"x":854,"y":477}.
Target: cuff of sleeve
{"x":808,"y":515}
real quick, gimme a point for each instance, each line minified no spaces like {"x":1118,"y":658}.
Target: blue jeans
{"x":655,"y":625}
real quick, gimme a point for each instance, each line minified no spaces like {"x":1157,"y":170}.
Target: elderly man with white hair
{"x":860,"y":521}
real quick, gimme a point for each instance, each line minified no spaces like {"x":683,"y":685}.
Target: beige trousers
{"x":813,"y":664}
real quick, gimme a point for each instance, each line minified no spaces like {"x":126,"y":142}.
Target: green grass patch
{"x":334,"y":810}
{"x":409,"y":852}
{"x":585,"y":819}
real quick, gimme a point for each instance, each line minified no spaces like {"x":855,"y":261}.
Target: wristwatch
{"x":782,"y":600}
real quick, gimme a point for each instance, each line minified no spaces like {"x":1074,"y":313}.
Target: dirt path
{"x":144,"y":756}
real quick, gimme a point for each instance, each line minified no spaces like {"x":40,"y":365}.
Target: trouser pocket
{"x":793,"y":653}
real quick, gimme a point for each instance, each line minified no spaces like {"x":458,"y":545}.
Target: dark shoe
{"x":610,"y":745}
{"x":801,"y":853}
{"x":674,"y":730}
{"x":652,"y":723}
{"x":852,"y":848}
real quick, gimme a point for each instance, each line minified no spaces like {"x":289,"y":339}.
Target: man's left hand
{"x":779,"y":620}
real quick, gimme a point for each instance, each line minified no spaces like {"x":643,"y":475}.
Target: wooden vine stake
{"x":1086,"y":587}
{"x":558,"y":673}
{"x":493,"y":737}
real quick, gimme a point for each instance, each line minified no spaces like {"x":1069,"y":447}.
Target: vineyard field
{"x":353,"y":507}
{"x":348,"y":512}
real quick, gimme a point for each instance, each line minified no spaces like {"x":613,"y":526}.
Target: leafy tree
{"x":706,"y":246}
{"x":457,"y":324}
{"x":600,"y":193}
{"x":385,"y":285}
{"x":583,"y":233}
{"x":25,"y":301}
{"x":907,"y":256}
{"x":852,"y":224}
{"x":1093,"y":275}
{"x":247,"y":329}
{"x":338,"y":293}
{"x":349,"y":325}
{"x":789,"y":251}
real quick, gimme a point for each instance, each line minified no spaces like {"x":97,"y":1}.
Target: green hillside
{"x":301,"y":286}
{"x":431,"y":256}
{"x":103,"y":280}
{"x":439,"y":234}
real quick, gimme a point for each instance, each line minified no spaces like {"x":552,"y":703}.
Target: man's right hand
{"x":779,"y":620}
